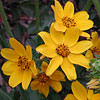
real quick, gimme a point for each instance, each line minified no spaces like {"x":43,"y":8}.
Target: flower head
{"x":96,"y":45}
{"x":80,"y":93}
{"x":65,"y":50}
{"x":65,"y":18}
{"x":42,"y":81}
{"x":20,"y":66}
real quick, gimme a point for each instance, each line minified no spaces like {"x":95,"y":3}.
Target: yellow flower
{"x":93,"y":84}
{"x":20,"y":65}
{"x":65,"y":18}
{"x":96,"y":46}
{"x":80,"y":93}
{"x":64,"y":50}
{"x":42,"y":82}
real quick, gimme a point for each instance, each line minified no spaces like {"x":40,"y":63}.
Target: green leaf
{"x":97,"y":6}
{"x":28,"y":8}
{"x":4,"y":95}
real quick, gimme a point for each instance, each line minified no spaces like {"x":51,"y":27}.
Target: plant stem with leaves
{"x":7,"y":97}
{"x":97,"y":6}
{"x":3,"y":15}
{"x":37,"y":15}
{"x":88,"y":5}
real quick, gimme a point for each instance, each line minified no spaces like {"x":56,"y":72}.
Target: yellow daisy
{"x":80,"y":93}
{"x":96,"y":45}
{"x":42,"y":82}
{"x":65,"y":18}
{"x":20,"y":65}
{"x":64,"y":50}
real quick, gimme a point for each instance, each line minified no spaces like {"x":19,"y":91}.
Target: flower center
{"x":62,"y":50}
{"x":43,"y":78}
{"x":23,"y":63}
{"x":96,"y":50}
{"x":68,"y":22}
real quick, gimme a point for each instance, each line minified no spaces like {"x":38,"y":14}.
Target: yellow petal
{"x":17,"y":46}
{"x":9,"y":67}
{"x":57,"y":18}
{"x":59,"y":9}
{"x":84,"y":34}
{"x":90,"y":94}
{"x":85,"y":24}
{"x":98,"y":44}
{"x":81,"y":15}
{"x":44,"y":66}
{"x":89,"y":54}
{"x":72,"y":36}
{"x":79,"y":59}
{"x":45,"y":90}
{"x":57,"y":76}
{"x":60,"y":27}
{"x":55,"y":85}
{"x":96,"y":97}
{"x":34,"y":85}
{"x":40,"y":90}
{"x":29,"y":52}
{"x":56,"y":36}
{"x":69,"y":9}
{"x":33,"y":68}
{"x":69,"y":69}
{"x":27,"y":76}
{"x":46,"y":38}
{"x":54,"y":64}
{"x":47,"y":51}
{"x":94,"y":36}
{"x":81,"y":46}
{"x":70,"y":97}
{"x":16,"y":78}
{"x":79,"y":91}
{"x":9,"y":54}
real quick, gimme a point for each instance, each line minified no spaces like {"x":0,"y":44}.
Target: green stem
{"x":3,"y":15}
{"x":97,"y":6}
{"x":88,"y":5}
{"x":2,"y":93}
{"x":37,"y":15}
{"x":22,"y":92}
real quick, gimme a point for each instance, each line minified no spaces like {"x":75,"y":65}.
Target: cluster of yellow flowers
{"x":62,"y":45}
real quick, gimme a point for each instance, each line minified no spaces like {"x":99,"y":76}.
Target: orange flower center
{"x":43,"y":78}
{"x":96,"y":50}
{"x":62,"y":50}
{"x":23,"y":63}
{"x":68,"y":22}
